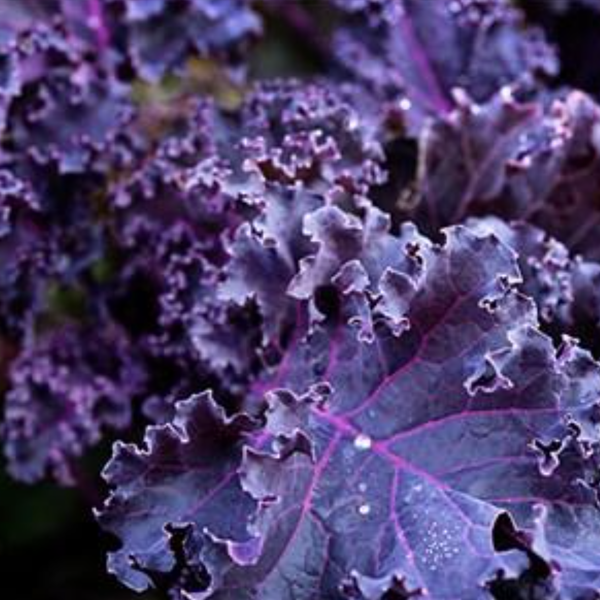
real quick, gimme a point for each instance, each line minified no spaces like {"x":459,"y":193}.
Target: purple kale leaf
{"x":184,"y":480}
{"x":65,"y":108}
{"x":425,"y":441}
{"x":157,"y":36}
{"x":64,"y":115}
{"x":410,"y":449}
{"x":186,"y":318}
{"x":310,"y":133}
{"x":163,"y":34}
{"x":479,"y":46}
{"x":265,"y":254}
{"x":547,"y":268}
{"x":563,"y":286}
{"x":454,"y":183}
{"x":518,"y":161}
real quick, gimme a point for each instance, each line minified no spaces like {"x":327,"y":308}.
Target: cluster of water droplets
{"x":439,"y":546}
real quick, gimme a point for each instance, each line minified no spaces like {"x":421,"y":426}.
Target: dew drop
{"x":364,"y":509}
{"x":362,"y":442}
{"x":405,"y":104}
{"x":362,"y":487}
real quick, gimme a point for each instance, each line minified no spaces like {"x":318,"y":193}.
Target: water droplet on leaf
{"x":364,"y":509}
{"x":405,"y":104}
{"x":362,"y":442}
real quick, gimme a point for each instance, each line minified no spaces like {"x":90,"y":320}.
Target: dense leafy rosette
{"x":288,"y":150}
{"x":285,"y":132}
{"x":311,"y":134}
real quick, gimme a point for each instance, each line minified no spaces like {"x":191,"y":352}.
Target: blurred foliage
{"x":50,"y":545}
